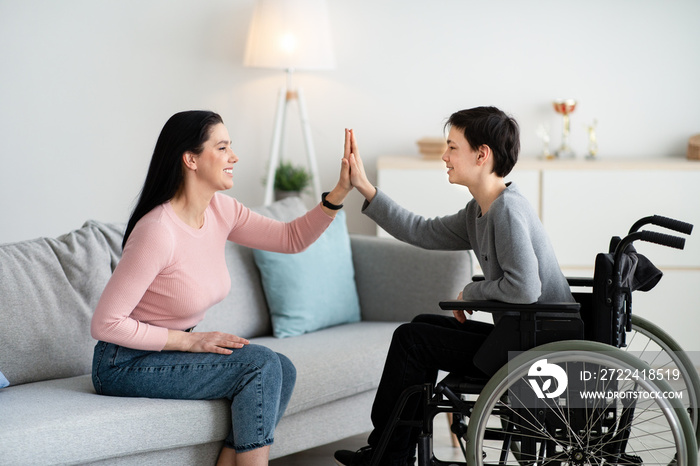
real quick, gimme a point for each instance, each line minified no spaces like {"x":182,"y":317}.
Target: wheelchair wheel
{"x":532,"y":412}
{"x":659,"y":350}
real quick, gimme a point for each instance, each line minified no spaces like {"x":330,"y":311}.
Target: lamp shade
{"x":290,"y":34}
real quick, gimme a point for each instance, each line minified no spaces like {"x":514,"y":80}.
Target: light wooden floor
{"x":323,"y":455}
{"x":442,"y":446}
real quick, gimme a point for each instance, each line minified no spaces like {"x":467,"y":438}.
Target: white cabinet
{"x":583,"y":204}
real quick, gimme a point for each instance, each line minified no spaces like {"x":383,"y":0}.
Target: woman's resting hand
{"x":203,"y":342}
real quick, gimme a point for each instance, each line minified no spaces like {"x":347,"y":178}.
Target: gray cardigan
{"x":509,"y":242}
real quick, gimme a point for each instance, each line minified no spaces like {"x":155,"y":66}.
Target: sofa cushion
{"x":49,"y":288}
{"x":243,"y":311}
{"x":65,"y":410}
{"x":313,"y":289}
{"x":397,"y":281}
{"x":332,"y":364}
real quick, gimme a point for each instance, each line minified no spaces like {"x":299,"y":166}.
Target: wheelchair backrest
{"x":607,"y":311}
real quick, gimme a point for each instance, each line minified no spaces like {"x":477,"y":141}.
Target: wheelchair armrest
{"x":573,"y":281}
{"x":498,"y":306}
{"x":522,"y":327}
{"x":580,"y":281}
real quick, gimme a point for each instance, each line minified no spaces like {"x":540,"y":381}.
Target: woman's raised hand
{"x":358,"y":176}
{"x":342,"y":188}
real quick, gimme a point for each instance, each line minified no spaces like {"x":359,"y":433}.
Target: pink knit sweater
{"x":171,"y":273}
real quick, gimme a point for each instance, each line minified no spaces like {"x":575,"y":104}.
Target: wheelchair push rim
{"x":558,"y":431}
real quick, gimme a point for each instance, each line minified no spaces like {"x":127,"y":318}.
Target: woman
{"x":508,"y":240}
{"x":173,"y":269}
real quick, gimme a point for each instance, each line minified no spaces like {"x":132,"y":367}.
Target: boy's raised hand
{"x":358,"y":176}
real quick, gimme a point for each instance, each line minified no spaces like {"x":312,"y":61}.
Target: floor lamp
{"x":290,"y":35}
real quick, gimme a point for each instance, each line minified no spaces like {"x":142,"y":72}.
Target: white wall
{"x":86,"y":85}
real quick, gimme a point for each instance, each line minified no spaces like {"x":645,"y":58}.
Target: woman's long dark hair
{"x":183,"y":132}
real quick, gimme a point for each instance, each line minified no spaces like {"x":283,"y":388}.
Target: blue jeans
{"x":258,"y":381}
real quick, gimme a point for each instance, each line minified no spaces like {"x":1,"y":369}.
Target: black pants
{"x":418,"y":350}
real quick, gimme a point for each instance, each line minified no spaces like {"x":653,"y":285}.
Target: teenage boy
{"x":508,"y":240}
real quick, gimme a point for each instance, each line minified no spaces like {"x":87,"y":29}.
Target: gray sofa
{"x":50,"y":413}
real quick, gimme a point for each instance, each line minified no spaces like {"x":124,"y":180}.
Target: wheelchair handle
{"x":663,"y":239}
{"x":665,"y":222}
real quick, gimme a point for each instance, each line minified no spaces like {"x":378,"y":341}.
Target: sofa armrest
{"x":396,"y":281}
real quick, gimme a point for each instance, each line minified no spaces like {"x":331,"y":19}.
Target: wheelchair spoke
{"x":526,"y":430}
{"x":634,"y":427}
{"x":655,"y":347}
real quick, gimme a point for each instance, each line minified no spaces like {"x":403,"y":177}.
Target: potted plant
{"x":290,"y":180}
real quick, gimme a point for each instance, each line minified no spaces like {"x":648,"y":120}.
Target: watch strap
{"x":327,"y":204}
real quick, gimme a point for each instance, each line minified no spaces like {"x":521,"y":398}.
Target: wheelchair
{"x":571,"y":384}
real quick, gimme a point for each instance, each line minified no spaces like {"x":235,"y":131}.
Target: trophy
{"x":543,"y":134}
{"x":592,"y":141}
{"x":565,"y":108}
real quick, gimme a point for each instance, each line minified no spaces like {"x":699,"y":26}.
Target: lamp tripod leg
{"x":276,"y":145}
{"x":310,"y":152}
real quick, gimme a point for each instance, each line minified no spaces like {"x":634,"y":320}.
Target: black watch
{"x":328,"y":204}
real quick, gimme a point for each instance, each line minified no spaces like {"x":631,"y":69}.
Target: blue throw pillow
{"x":3,"y":381}
{"x":313,"y":289}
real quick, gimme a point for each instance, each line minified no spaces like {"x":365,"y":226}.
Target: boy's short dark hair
{"x":490,"y":126}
